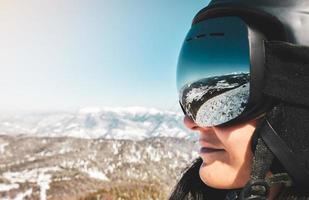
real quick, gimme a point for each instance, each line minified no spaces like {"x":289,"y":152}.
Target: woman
{"x":243,"y":82}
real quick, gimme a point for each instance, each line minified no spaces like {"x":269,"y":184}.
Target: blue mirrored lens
{"x":213,"y":72}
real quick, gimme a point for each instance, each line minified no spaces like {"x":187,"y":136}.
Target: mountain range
{"x":130,"y":153}
{"x":134,"y":123}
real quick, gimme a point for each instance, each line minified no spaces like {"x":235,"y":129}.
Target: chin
{"x":223,"y":176}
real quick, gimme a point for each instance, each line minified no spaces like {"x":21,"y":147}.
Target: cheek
{"x":238,"y":146}
{"x":233,"y":170}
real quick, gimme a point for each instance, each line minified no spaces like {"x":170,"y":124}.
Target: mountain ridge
{"x":136,"y":123}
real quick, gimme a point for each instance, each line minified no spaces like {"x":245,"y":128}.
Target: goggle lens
{"x":213,"y":72}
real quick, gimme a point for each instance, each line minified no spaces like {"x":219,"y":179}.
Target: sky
{"x":69,"y":54}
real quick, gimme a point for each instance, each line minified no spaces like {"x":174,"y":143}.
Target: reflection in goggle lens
{"x":215,"y":100}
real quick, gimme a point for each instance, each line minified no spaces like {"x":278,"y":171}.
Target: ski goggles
{"x":220,"y":70}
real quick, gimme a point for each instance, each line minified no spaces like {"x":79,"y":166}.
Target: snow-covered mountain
{"x":77,"y":169}
{"x":134,"y":123}
{"x":94,"y":153}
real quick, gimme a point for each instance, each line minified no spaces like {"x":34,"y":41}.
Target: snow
{"x":8,"y":187}
{"x":134,"y":156}
{"x":23,"y":195}
{"x":39,"y":176}
{"x":115,"y":147}
{"x":74,"y":125}
{"x":110,"y":168}
{"x":196,"y":94}
{"x":96,"y":174}
{"x":153,"y":154}
{"x":43,"y":181}
{"x":223,"y":107}
{"x":65,"y":150}
{"x":216,"y":99}
{"x":2,"y":147}
{"x":83,"y":166}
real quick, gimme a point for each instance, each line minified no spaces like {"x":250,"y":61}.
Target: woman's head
{"x":226,"y":153}
{"x":219,"y":85}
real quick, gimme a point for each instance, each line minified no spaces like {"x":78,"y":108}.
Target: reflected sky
{"x":214,"y":47}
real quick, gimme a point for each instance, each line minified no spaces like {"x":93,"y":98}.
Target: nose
{"x":189,"y":123}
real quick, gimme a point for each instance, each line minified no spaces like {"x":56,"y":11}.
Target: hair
{"x":190,"y":186}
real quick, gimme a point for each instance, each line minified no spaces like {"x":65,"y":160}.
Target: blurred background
{"x":89,"y":107}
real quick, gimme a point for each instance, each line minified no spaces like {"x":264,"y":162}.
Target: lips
{"x":209,"y":150}
{"x":208,"y":147}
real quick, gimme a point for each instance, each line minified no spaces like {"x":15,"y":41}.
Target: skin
{"x":230,"y":167}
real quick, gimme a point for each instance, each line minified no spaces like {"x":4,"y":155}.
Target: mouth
{"x":209,"y":147}
{"x":207,"y":150}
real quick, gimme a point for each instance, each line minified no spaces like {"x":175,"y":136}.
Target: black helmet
{"x":274,"y":20}
{"x":286,"y":20}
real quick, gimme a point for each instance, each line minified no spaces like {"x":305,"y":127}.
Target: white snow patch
{"x":82,"y":165}
{"x":115,"y":147}
{"x":74,"y":125}
{"x":95,"y":173}
{"x":46,"y":153}
{"x":66,"y":178}
{"x":23,"y":195}
{"x":110,"y":168}
{"x":39,"y":176}
{"x":65,"y":150}
{"x":2,"y":147}
{"x":223,"y":107}
{"x":7,"y":187}
{"x":43,"y":182}
{"x":153,"y":154}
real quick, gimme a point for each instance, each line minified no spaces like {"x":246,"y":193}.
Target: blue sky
{"x":57,"y":54}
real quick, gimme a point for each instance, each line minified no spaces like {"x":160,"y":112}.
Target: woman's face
{"x":226,"y":154}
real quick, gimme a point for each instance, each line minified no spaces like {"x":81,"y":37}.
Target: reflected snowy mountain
{"x":214,"y":100}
